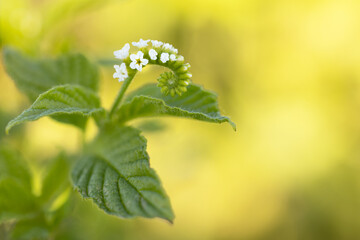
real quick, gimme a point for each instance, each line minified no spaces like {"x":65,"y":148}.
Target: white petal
{"x":167,"y":46}
{"x":153,"y":54}
{"x":173,"y":57}
{"x":122,"y":78}
{"x":144,"y":61}
{"x":139,"y":54}
{"x":123,"y":53}
{"x":116,"y":75}
{"x":122,"y":67}
{"x":126,"y":47}
{"x":135,"y":44}
{"x":133,"y":65}
{"x":117,"y":53}
{"x":138,"y":67}
{"x":156,"y":43}
{"x":142,"y":43}
{"x":123,"y":70}
{"x":117,"y":68}
{"x":180,"y":58}
{"x":164,"y":57}
{"x":133,"y":57}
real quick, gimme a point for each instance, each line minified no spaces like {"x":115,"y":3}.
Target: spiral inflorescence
{"x":159,"y":53}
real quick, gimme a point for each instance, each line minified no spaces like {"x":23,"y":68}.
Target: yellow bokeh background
{"x":287,"y":72}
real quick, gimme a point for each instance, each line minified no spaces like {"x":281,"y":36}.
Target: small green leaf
{"x":67,"y":99}
{"x":148,"y":101}
{"x":56,"y":179}
{"x":118,"y":177}
{"x":33,"y":77}
{"x":16,"y":199}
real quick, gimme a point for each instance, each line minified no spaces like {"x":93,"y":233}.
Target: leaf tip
{"x":233,"y":125}
{"x":171,"y":221}
{"x":168,"y":218}
{"x":7,"y":128}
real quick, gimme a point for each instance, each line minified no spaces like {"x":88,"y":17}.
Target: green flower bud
{"x":169,"y":83}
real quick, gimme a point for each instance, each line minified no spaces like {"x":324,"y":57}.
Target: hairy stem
{"x":121,"y":94}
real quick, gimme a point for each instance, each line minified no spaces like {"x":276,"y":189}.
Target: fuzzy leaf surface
{"x":61,"y":100}
{"x":117,"y":176}
{"x":148,"y":101}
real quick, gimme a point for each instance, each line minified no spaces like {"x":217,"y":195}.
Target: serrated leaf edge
{"x":15,"y":122}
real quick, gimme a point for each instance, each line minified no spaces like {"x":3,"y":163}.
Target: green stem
{"x":121,"y":94}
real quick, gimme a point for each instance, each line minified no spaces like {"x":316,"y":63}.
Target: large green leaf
{"x":148,"y":101}
{"x":34,"y":77}
{"x":117,"y":176}
{"x":60,"y":100}
{"x":16,"y":199}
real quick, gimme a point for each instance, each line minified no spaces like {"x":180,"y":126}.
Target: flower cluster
{"x":157,"y":53}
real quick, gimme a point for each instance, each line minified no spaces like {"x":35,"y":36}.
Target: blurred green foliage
{"x":287,"y":70}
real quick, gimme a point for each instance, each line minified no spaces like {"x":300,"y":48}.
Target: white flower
{"x":141,"y":43}
{"x":138,"y":61}
{"x":173,"y":57}
{"x":153,"y":54}
{"x":122,"y":53}
{"x":167,"y":46}
{"x":164,"y":57}
{"x":170,"y":47}
{"x":156,"y":43}
{"x":121,"y":72}
{"x":173,"y":49}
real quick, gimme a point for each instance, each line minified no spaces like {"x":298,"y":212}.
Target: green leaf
{"x":4,"y":119}
{"x":118,"y":177}
{"x":56,"y":179}
{"x":14,"y":166}
{"x":148,"y":101}
{"x":34,"y":77}
{"x":16,"y":199}
{"x":67,"y":99}
{"x":34,"y":228}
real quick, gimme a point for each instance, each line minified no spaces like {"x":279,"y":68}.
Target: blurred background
{"x":287,"y":72}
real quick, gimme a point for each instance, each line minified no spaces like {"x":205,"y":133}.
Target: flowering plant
{"x":113,"y":170}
